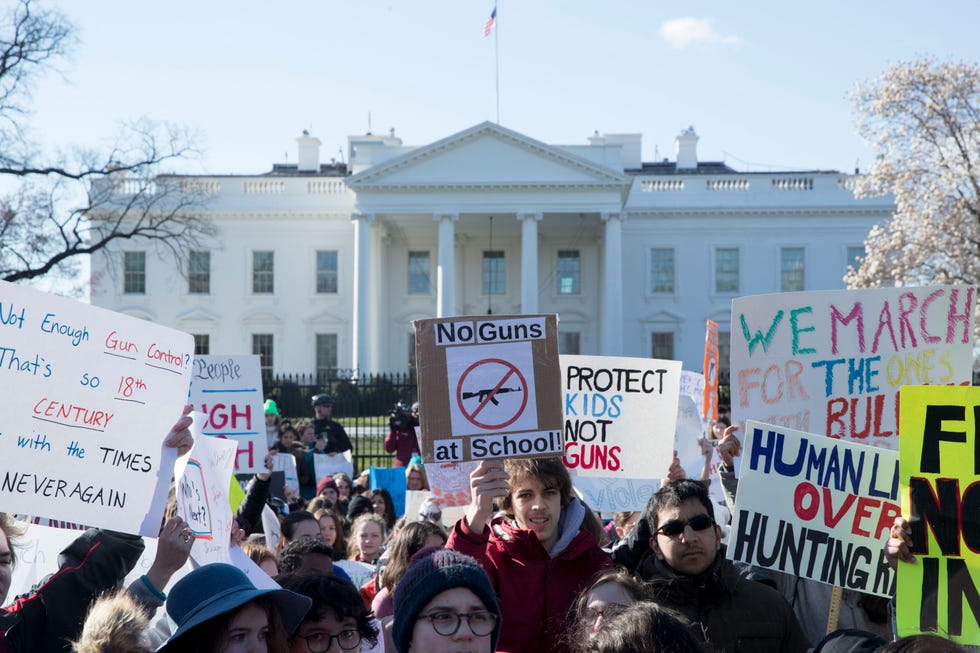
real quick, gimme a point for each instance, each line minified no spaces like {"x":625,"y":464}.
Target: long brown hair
{"x":212,"y":635}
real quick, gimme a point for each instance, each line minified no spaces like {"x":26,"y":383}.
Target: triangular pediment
{"x":484,"y":156}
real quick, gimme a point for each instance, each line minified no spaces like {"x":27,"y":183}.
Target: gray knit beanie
{"x":431,"y":571}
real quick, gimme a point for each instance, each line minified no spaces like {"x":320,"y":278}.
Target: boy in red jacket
{"x":537,"y":552}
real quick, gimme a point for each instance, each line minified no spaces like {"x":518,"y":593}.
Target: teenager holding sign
{"x":538,"y":554}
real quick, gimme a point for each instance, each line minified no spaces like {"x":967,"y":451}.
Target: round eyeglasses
{"x":447,"y":623}
{"x":320,"y":642}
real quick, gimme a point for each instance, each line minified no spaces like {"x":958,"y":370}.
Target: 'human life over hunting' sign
{"x":489,"y":387}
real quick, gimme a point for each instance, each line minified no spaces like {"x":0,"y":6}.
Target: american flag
{"x":491,"y":23}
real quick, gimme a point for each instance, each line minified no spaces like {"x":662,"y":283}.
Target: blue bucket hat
{"x":218,"y":588}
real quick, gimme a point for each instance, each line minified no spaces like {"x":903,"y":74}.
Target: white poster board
{"x":286,"y":463}
{"x":328,"y":464}
{"x":228,"y":389}
{"x":832,"y":362}
{"x":202,"y":479}
{"x":815,"y":507}
{"x":620,"y":416}
{"x":89,"y":396}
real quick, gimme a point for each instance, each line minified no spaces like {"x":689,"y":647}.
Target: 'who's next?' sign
{"x":490,"y":387}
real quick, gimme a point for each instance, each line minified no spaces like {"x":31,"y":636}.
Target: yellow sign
{"x":939,"y":466}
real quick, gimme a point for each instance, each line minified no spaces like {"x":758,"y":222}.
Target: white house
{"x":324,"y":266}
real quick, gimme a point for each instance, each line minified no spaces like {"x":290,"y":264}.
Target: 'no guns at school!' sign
{"x":490,"y":387}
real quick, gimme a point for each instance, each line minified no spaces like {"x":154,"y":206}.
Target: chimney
{"x":309,"y":153}
{"x":687,"y":149}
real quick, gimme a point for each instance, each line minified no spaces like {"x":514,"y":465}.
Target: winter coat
{"x":536,"y":590}
{"x":46,"y":619}
{"x":729,"y":611}
{"x":402,"y":443}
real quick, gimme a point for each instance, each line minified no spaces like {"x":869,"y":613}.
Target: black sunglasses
{"x":675,"y":527}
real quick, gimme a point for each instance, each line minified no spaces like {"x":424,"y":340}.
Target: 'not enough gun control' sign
{"x":489,"y":387}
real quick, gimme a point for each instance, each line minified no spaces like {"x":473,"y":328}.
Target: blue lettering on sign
{"x":77,"y":335}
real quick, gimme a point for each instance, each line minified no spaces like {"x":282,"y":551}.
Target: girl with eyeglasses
{"x":445,"y":604}
{"x":337,"y":620}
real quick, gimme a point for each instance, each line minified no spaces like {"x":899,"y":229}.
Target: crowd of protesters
{"x":528,"y":568}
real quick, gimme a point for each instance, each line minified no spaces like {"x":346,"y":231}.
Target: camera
{"x":400,"y":418}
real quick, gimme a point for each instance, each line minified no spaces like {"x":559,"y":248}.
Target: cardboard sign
{"x":490,"y":386}
{"x":89,"y":396}
{"x":816,"y":508}
{"x":202,"y":478}
{"x":940,"y":464}
{"x":228,"y":389}
{"x":832,"y":362}
{"x":620,"y":417}
{"x":709,"y":401}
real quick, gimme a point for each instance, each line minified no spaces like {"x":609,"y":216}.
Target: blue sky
{"x":763,"y":83}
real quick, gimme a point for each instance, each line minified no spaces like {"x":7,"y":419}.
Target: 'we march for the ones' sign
{"x":833,"y":362}
{"x":89,"y":396}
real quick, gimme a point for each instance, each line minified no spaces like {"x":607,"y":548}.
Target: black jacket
{"x":52,"y":614}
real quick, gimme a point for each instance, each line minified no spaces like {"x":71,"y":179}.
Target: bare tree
{"x":60,"y":211}
{"x":923,"y":119}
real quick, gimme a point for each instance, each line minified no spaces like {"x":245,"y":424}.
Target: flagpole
{"x":496,"y":58}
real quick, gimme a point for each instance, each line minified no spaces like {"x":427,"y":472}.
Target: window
{"x":791,"y":269}
{"x":662,"y":270}
{"x":494,"y":276}
{"x":199,"y":272}
{"x":569,"y":272}
{"x":568,"y":342}
{"x":854,"y":256}
{"x":263,"y":273}
{"x":134,"y":272}
{"x":724,"y":353}
{"x":326,"y":355}
{"x":726,"y":269}
{"x":419,"y":282}
{"x":326,"y":271}
{"x":662,"y":345}
{"x":202,"y":344}
{"x":262,"y":347}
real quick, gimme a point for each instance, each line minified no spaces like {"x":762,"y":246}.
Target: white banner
{"x":228,"y":389}
{"x":89,"y":396}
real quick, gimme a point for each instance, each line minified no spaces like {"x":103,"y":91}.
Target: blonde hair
{"x":354,"y":545}
{"x":115,"y":624}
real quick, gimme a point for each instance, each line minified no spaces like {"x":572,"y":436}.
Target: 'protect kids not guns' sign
{"x":490,"y":386}
{"x":814,"y":507}
{"x":620,"y":416}
{"x":833,"y":362}
{"x":940,"y":464}
{"x":89,"y":396}
{"x":228,"y":389}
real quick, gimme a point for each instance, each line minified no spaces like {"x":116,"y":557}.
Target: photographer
{"x":401,"y":438}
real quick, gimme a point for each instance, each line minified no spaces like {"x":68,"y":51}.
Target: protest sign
{"x":285,"y":463}
{"x":832,"y":362}
{"x":620,"y":417}
{"x":940,"y":462}
{"x":328,"y":464}
{"x":202,"y":478}
{"x":415,"y":499}
{"x":815,"y":507}
{"x":89,"y":397}
{"x":393,"y":480}
{"x":228,"y":389}
{"x":709,"y":401}
{"x":490,"y":386}
{"x":450,"y":482}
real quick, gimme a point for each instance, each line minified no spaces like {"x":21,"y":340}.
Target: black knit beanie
{"x":434,"y":570}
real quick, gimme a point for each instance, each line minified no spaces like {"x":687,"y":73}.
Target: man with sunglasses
{"x":687,"y":572}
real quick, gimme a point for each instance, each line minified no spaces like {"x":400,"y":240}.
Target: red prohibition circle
{"x":471,"y":416}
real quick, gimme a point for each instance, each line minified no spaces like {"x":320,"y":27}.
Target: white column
{"x":445,"y":272}
{"x":611,"y":313}
{"x":362,"y":290}
{"x":529,"y":261}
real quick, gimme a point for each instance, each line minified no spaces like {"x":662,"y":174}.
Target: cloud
{"x":682,"y":32}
